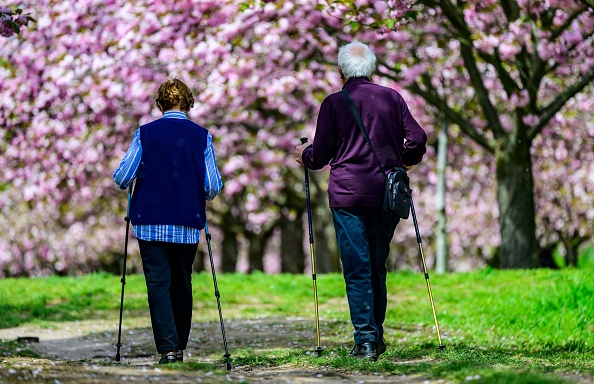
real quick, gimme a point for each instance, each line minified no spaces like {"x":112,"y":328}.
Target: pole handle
{"x":303,"y":140}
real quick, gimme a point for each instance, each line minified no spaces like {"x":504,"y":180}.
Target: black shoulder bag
{"x":397,"y":194}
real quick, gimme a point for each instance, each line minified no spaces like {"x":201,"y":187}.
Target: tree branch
{"x":511,"y":9}
{"x":481,"y":91}
{"x":554,"y":106}
{"x":556,"y":33}
{"x":535,"y":71}
{"x":466,"y":49}
{"x":509,"y":84}
{"x":456,"y":19}
{"x":572,"y":47}
{"x":589,"y":3}
{"x":455,"y":117}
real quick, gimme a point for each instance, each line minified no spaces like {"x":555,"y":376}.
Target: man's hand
{"x":299,"y":152}
{"x":408,"y":167}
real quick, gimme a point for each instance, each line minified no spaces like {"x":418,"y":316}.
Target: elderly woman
{"x":173,"y":162}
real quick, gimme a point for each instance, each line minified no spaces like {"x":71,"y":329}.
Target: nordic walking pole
{"x":127,"y":219}
{"x":218,"y":296}
{"x":319,"y":349}
{"x":412,"y":209}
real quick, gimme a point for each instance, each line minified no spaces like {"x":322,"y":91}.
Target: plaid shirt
{"x":126,"y":173}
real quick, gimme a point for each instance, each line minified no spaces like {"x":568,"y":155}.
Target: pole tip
{"x":118,"y":357}
{"x":319,"y":351}
{"x":303,"y":140}
{"x":228,"y":366}
{"x":441,"y":347}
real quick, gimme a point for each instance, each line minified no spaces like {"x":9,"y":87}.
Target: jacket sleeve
{"x":416,"y":138}
{"x":213,"y":184}
{"x":126,"y":171}
{"x":323,"y":149}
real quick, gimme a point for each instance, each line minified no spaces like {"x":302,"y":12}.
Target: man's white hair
{"x":356,"y":60}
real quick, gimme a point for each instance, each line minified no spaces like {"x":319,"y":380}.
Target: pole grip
{"x":303,"y":140}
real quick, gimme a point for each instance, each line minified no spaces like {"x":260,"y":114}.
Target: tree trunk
{"x":572,"y":250}
{"x":292,"y":257}
{"x":198,"y":265}
{"x":515,"y":184}
{"x":257,"y":247}
{"x":326,"y":249}
{"x":545,"y":257}
{"x":256,"y":254}
{"x":230,"y":250}
{"x":441,"y":247}
{"x":327,"y":257}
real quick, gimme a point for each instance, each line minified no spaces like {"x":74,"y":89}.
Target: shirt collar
{"x":356,"y":80}
{"x":174,"y":115}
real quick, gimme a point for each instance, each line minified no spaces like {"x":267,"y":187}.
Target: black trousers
{"x":363,"y":236}
{"x":168,"y":273}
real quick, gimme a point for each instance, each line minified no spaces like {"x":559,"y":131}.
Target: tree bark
{"x":326,"y":249}
{"x":257,"y":247}
{"x":572,"y":250}
{"x":230,"y":250}
{"x":256,"y":254}
{"x":441,"y":248}
{"x":545,"y":257}
{"x":198,"y":265}
{"x":292,"y":257}
{"x":515,"y":196}
{"x":327,"y":258}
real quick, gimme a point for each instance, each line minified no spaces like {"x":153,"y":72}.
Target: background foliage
{"x":78,"y":82}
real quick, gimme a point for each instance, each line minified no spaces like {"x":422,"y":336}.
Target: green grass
{"x":528,"y":326}
{"x":586,"y":259}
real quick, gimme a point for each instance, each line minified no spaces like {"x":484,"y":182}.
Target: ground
{"x":84,"y":352}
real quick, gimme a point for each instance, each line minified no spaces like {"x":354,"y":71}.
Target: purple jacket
{"x":355,"y":177}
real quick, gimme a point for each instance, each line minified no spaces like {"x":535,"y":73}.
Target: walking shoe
{"x":179,"y":355}
{"x":168,"y":358}
{"x":364,"y":351}
{"x":381,"y":347}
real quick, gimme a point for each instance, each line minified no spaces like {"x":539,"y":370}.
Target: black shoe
{"x":364,"y":351}
{"x":168,"y":358}
{"x":381,"y":347}
{"x":179,"y":355}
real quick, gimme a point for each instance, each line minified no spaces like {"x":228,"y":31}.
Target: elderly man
{"x":174,"y":163}
{"x":356,"y":185}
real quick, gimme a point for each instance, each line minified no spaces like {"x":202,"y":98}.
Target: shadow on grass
{"x":14,"y":316}
{"x":14,"y":349}
{"x":460,"y":363}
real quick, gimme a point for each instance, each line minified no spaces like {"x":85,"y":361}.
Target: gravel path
{"x":84,"y":352}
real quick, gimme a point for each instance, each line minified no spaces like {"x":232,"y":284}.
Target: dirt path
{"x":84,"y":352}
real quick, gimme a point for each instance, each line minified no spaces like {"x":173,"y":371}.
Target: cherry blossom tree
{"x":82,"y":79}
{"x":512,"y":69}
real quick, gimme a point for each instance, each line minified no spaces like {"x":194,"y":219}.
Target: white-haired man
{"x":356,"y":185}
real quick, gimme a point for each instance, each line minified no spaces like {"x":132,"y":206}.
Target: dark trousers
{"x":168,"y":273}
{"x":363,"y":236}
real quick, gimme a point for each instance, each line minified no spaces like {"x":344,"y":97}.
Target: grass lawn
{"x":531,"y":326}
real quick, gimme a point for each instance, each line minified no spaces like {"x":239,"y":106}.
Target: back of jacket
{"x":355,"y":177}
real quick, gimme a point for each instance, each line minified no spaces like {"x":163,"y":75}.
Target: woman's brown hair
{"x":172,"y":93}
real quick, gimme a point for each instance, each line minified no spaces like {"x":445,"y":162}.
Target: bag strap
{"x":351,"y":103}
